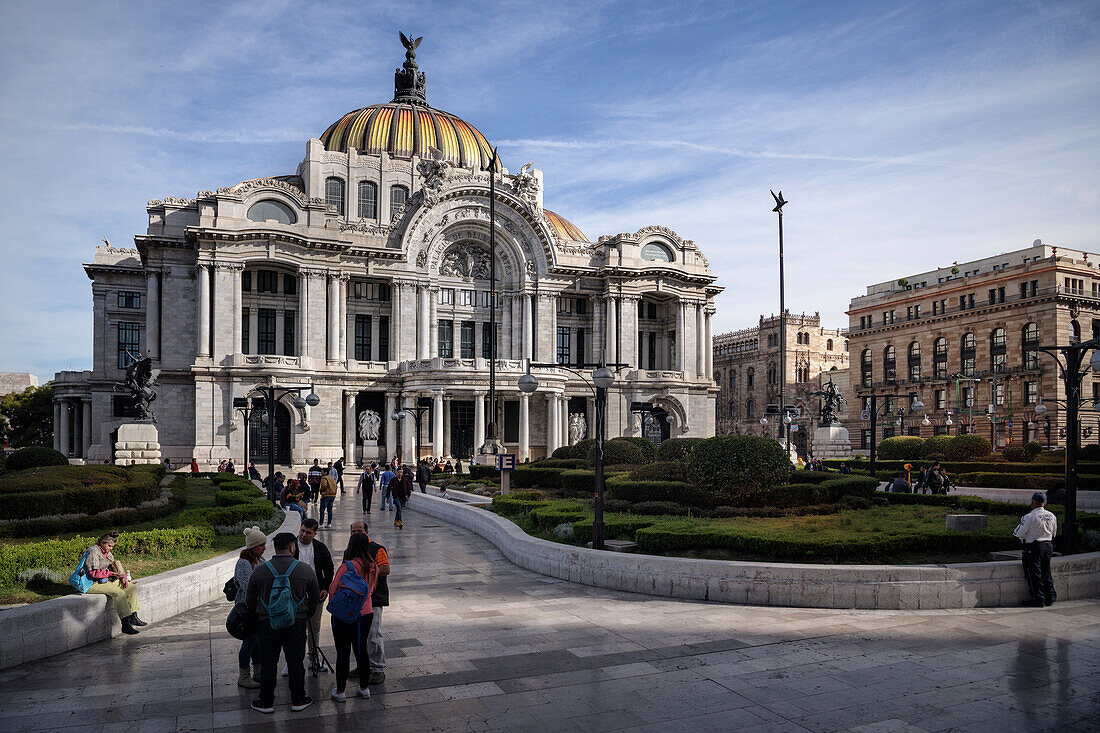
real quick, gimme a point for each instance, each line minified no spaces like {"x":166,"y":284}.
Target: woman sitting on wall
{"x":111,"y":579}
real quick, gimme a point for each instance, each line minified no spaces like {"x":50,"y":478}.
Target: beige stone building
{"x":965,"y":338}
{"x":746,"y":369}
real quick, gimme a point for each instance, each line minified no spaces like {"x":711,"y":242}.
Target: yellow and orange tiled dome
{"x":404,"y":130}
{"x":563,"y":228}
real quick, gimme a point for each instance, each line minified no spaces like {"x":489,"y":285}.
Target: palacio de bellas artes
{"x":365,"y":274}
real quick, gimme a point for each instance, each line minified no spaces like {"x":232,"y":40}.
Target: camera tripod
{"x":316,"y":654}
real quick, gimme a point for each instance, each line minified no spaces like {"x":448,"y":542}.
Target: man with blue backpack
{"x":283,"y":593}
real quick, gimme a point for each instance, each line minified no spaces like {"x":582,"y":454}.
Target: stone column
{"x":86,"y":431}
{"x":57,"y":425}
{"x":408,"y":434}
{"x":479,"y":422}
{"x":681,"y":338}
{"x":524,"y":450}
{"x":391,"y":425}
{"x":563,"y":420}
{"x":550,"y":318}
{"x":253,"y":331}
{"x":342,"y":310}
{"x":350,"y":456}
{"x":447,"y":425}
{"x":203,"y":349}
{"x":423,"y":320}
{"x":332,"y":351}
{"x":628,"y":330}
{"x":504,"y":348}
{"x":397,"y":295}
{"x":527,"y":326}
{"x":599,"y":341}
{"x":551,"y":422}
{"x":433,"y":326}
{"x":66,"y":446}
{"x":611,"y":353}
{"x":152,"y":316}
{"x":437,"y":424}
{"x":709,"y":337}
{"x":700,"y":341}
{"x":238,"y":310}
{"x":303,"y":313}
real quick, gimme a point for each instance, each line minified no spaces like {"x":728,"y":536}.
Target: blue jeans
{"x":398,"y":503}
{"x":326,"y":503}
{"x":250,"y":652}
{"x":298,"y":508}
{"x":387,"y":497}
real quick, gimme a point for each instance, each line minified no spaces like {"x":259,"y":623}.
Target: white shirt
{"x":305,"y":554}
{"x":1038,"y":525}
{"x":334,"y":473}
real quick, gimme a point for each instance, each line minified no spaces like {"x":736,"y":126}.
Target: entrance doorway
{"x":655,"y":426}
{"x":259,"y":443}
{"x":462,"y":429}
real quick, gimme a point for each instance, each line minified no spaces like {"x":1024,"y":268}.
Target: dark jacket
{"x":323,"y":559}
{"x":402,"y":489}
{"x":380,"y":596}
{"x":303,"y":585}
{"x":423,"y":474}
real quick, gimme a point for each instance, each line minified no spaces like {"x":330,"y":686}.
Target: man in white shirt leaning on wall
{"x":1036,"y":531}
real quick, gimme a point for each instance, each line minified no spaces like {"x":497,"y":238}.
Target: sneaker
{"x":363,"y":692}
{"x":339,"y":696}
{"x":286,"y":670}
{"x":377,"y":677}
{"x":260,"y":707}
{"x":321,"y":667}
{"x":300,"y":706}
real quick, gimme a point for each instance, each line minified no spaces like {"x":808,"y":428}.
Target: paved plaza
{"x":477,"y":644}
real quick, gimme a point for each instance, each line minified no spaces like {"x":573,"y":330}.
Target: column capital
{"x":231,"y":266}
{"x":311,"y":272}
{"x":480,"y":393}
{"x":630,"y":298}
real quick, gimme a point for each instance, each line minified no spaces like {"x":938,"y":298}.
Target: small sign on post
{"x":506,"y":463}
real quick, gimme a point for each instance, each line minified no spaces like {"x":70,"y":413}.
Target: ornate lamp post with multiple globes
{"x":271,"y":395}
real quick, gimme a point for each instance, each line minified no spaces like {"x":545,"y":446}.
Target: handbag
{"x":241,"y":623}
{"x":230,"y":589}
{"x":79,"y":579}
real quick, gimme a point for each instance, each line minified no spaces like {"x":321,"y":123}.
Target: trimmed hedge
{"x":562,"y":463}
{"x":233,"y":498}
{"x":564,"y":452}
{"x":63,"y":555}
{"x":86,"y":500}
{"x":551,"y":515}
{"x":659,"y":471}
{"x":534,"y":476}
{"x":676,"y":449}
{"x":730,"y":466}
{"x":679,"y":492}
{"x":56,"y":478}
{"x":903,"y":447}
{"x":635,"y":451}
{"x":615,"y":527}
{"x":575,"y":480}
{"x":519,"y":502}
{"x":954,"y":467}
{"x":34,"y":456}
{"x":483,"y":472}
{"x":966,"y":447}
{"x":937,"y":444}
{"x":90,"y":522}
{"x":812,"y":477}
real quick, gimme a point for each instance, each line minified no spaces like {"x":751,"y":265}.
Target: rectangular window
{"x":914,"y":372}
{"x":290,"y":285}
{"x":129,"y":299}
{"x":964,"y":398}
{"x":565,"y":306}
{"x":999,"y":363}
{"x":511,"y":421}
{"x":362,"y":337}
{"x":968,"y":366}
{"x":651,"y":359}
{"x":862,"y":322}
{"x":998,"y":393}
{"x":865,"y":439}
{"x":563,"y":351}
{"x":992,"y":296}
{"x":267,"y":281}
{"x":246,"y":281}
{"x":941,"y":399}
{"x":888,"y":432}
{"x":579,"y":337}
{"x":1001,"y":294}
{"x":265,"y":331}
{"x":129,"y":343}
{"x":941,"y":430}
{"x":1032,"y":391}
{"x":486,"y":344}
{"x":467,"y":297}
{"x":288,"y":334}
{"x":447,"y":338}
{"x":916,"y":311}
{"x":383,"y":338}
{"x":468,"y":332}
{"x":245,"y":330}
{"x":446,"y":296}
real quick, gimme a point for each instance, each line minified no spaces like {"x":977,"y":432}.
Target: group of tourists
{"x":286,"y":599}
{"x":930,"y":480}
{"x":396,"y":485}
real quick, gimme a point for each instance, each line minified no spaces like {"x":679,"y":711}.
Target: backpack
{"x":79,"y":579}
{"x":282,"y":609}
{"x":351,"y":595}
{"x":230,"y":589}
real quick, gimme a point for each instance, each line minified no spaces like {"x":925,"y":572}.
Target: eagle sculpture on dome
{"x":410,"y":45}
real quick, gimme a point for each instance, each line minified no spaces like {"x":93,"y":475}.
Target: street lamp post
{"x":780,"y":202}
{"x":916,"y":407}
{"x":423,"y":404}
{"x":602,"y":379}
{"x":244,"y":406}
{"x":272,"y":394}
{"x":492,"y":445}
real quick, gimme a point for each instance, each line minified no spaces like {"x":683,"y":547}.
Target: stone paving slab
{"x":477,"y":644}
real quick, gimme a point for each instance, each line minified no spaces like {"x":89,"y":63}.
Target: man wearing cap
{"x":1036,"y":530}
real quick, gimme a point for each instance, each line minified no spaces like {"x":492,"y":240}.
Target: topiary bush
{"x":679,"y":492}
{"x":633,"y":451}
{"x":566,"y":451}
{"x":676,"y":449}
{"x":33,"y":457}
{"x":534,"y":477}
{"x":659,"y":471}
{"x":1088,"y":452}
{"x":967,"y":447}
{"x":1032,"y":450}
{"x":935,"y":447}
{"x":731,"y":467}
{"x":1015,"y":453}
{"x":582,"y":448}
{"x":901,"y":448}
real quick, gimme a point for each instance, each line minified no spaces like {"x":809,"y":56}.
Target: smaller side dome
{"x":563,"y":228}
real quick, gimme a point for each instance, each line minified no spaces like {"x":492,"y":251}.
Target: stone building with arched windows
{"x":366,"y":273}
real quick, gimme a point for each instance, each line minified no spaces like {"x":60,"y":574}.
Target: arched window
{"x":398,"y":196}
{"x":733,"y":380}
{"x":368,"y":200}
{"x":655,"y":252}
{"x":750,"y":377}
{"x":271,"y":210}
{"x":967,"y":353}
{"x":750,"y":408}
{"x":845,"y":345}
{"x":914,"y":361}
{"x":334,"y":194}
{"x":829,"y":345}
{"x":773,"y":374}
{"x":889,"y":364}
{"x":939,"y":358}
{"x":1031,"y":346}
{"x":865,"y":367}
{"x":998,"y":348}
{"x":1074,"y":332}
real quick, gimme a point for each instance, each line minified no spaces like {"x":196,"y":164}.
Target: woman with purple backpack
{"x":352,"y":613}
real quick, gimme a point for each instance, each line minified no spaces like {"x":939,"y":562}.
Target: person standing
{"x":109,"y":578}
{"x":366,"y":485}
{"x":283,"y":593}
{"x":380,"y":598}
{"x":1036,"y":531}
{"x":933,"y":480}
{"x":194,"y":466}
{"x":328,"y":497}
{"x":387,"y":496}
{"x":348,"y":634}
{"x":314,"y":553}
{"x":423,"y":475}
{"x":401,"y":488}
{"x":339,"y":468}
{"x":315,"y":474}
{"x":255,"y":543}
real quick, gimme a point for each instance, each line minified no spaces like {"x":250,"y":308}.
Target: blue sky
{"x":905,"y":135}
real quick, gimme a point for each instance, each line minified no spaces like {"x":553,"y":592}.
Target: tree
{"x":28,"y":417}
